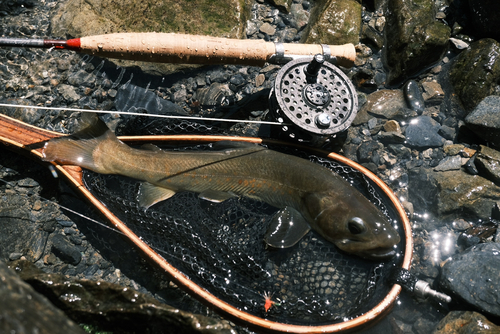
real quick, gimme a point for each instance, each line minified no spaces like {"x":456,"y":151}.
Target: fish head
{"x":352,"y":223}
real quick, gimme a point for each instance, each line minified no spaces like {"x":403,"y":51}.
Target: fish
{"x":306,"y":195}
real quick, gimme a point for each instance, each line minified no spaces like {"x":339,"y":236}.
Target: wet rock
{"x":65,"y":250}
{"x":422,"y":132}
{"x":23,"y":310}
{"x":469,"y":194}
{"x":452,"y":193}
{"x":472,"y":276}
{"x":213,"y":95}
{"x":484,"y":120}
{"x":85,"y":18}
{"x":413,"y":96}
{"x":114,"y":307}
{"x":15,"y":7}
{"x":484,"y":15}
{"x":433,"y":92}
{"x":77,"y":18}
{"x":465,"y":322}
{"x":414,"y":39}
{"x":367,"y":151}
{"x":68,"y":93}
{"x":36,"y":245}
{"x":372,"y":36}
{"x":385,"y":103}
{"x":134,"y":98}
{"x":391,"y":137}
{"x":81,"y":78}
{"x":267,"y":29}
{"x":447,"y":132}
{"x":476,"y":72}
{"x":449,"y":163}
{"x":18,"y":232}
{"x":334,"y":22}
{"x":488,"y":164}
{"x":284,"y":4}
{"x":300,"y":16}
{"x":392,"y":126}
{"x":476,"y":234}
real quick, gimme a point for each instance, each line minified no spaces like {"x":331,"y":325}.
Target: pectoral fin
{"x":150,"y":194}
{"x":215,"y":196}
{"x":287,"y":227}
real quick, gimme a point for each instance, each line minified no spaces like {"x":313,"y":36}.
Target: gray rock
{"x":473,"y":277}
{"x":476,"y":71}
{"x":18,"y":232}
{"x":423,"y":132}
{"x":484,"y":120}
{"x":466,"y":322}
{"x":413,"y":96}
{"x":452,"y":193}
{"x":65,"y":250}
{"x":112,"y":306}
{"x":68,"y":93}
{"x":384,"y":103}
{"x":488,"y":164}
{"x":36,"y":245}
{"x":300,"y":15}
{"x":391,"y":137}
{"x":449,"y":163}
{"x":447,"y":132}
{"x":414,"y":39}
{"x":133,"y":98}
{"x":367,"y":150}
{"x":267,"y":29}
{"x":433,"y":92}
{"x":23,"y":310}
{"x":252,"y":28}
{"x":81,"y":78}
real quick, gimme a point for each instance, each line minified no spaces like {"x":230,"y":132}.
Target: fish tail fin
{"x":78,"y":149}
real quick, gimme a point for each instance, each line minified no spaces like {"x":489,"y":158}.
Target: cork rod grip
{"x":196,"y":49}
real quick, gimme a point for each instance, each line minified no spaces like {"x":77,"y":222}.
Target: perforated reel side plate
{"x":300,"y":103}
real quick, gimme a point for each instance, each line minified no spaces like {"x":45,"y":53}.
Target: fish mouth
{"x":379,"y":253}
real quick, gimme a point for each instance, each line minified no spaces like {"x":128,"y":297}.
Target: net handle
{"x":19,"y":135}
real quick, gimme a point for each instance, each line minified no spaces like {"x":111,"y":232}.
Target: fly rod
{"x":191,"y":49}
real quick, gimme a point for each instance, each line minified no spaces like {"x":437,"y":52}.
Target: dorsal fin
{"x":90,"y":126}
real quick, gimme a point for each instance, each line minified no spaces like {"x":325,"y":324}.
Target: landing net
{"x":220,"y":247}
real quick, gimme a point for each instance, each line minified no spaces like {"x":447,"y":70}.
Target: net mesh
{"x":220,"y":247}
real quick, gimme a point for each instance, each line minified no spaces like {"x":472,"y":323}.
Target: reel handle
{"x":197,"y":49}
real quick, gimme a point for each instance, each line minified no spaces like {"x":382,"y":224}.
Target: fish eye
{"x":356,"y":225}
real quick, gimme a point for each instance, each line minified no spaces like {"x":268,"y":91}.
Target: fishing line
{"x":65,"y":208}
{"x":119,"y":232}
{"x":141,"y":114}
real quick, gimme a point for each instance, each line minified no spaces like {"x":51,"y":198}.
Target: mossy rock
{"x":414,"y":39}
{"x":476,"y":72}
{"x":220,"y":18}
{"x":334,"y":22}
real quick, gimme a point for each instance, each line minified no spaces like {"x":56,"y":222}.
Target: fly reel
{"x":315,"y":100}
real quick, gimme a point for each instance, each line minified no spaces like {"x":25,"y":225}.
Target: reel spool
{"x":315,"y":98}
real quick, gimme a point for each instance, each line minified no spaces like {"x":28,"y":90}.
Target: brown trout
{"x":307,"y":194}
